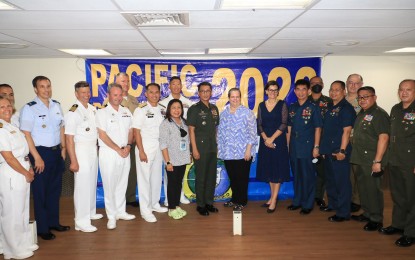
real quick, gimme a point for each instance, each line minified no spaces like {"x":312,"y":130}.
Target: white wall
{"x":383,"y":73}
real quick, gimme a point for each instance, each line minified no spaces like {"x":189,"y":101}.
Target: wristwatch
{"x":167,"y":163}
{"x":375,"y":162}
{"x":342,"y":151}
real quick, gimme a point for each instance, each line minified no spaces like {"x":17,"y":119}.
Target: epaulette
{"x":142,"y":105}
{"x":32,"y":103}
{"x":56,"y":101}
{"x":1,"y":125}
{"x":106,"y":105}
{"x":162,"y":105}
{"x":73,"y":108}
{"x":121,"y":105}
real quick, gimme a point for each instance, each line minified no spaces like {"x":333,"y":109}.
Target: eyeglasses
{"x":183,"y":132}
{"x":273,"y":90}
{"x":359,"y":98}
{"x":205,"y":91}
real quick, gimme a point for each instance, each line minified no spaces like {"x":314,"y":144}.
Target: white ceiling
{"x":48,"y":25}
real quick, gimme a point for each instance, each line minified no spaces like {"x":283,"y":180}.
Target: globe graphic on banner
{"x":222,"y":190}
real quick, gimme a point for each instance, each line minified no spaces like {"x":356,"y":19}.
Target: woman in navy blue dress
{"x":273,"y":164}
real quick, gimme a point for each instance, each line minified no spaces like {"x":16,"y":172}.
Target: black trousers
{"x":174,"y":185}
{"x":238,"y":172}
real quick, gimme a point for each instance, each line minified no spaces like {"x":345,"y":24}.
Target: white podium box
{"x":237,"y":223}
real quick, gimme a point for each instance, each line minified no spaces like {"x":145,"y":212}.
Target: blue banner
{"x":249,"y":75}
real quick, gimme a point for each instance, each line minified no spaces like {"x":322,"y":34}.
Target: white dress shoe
{"x":112,"y":224}
{"x":150,"y":218}
{"x":33,"y":247}
{"x":125,"y":216}
{"x":184,"y":200}
{"x":96,"y":216}
{"x":87,"y":228}
{"x":160,"y":209}
{"x":19,"y":256}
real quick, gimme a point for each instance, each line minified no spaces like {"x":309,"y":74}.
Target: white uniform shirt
{"x":15,"y":119}
{"x":148,"y":120}
{"x":80,"y":122}
{"x":115,"y":123}
{"x":13,"y":140}
{"x":42,"y":122}
{"x":185,"y":101}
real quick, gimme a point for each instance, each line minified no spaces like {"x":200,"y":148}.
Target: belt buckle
{"x":55,"y":147}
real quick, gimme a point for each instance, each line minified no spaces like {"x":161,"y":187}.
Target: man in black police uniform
{"x":335,"y":146}
{"x":370,"y":140}
{"x":402,"y":166}
{"x":322,"y":101}
{"x":203,"y":119}
{"x":42,"y":123}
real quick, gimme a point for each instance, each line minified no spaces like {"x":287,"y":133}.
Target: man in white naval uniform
{"x":81,"y":144}
{"x":146,"y":123}
{"x":7,"y":91}
{"x":115,"y":137}
{"x":175,"y":85}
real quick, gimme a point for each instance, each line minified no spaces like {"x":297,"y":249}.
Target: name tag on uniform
{"x":183,"y":145}
{"x":368,"y":118}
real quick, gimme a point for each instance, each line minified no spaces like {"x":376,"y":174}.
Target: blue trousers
{"x":338,"y":185}
{"x":304,"y":182}
{"x":47,"y":187}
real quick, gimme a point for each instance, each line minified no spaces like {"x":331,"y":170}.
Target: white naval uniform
{"x":186,"y":104}
{"x":80,"y":122}
{"x":15,"y":119}
{"x":114,"y":169}
{"x":149,"y":175}
{"x":16,"y":236}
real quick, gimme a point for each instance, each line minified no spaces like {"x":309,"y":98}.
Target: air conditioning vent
{"x":157,"y":19}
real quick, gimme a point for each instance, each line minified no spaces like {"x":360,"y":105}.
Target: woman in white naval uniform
{"x":81,"y":142}
{"x":16,"y":175}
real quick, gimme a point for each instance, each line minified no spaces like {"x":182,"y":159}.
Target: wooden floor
{"x":282,"y":235}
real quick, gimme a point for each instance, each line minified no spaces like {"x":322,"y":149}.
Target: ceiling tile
{"x":365,"y":4}
{"x":66,"y":5}
{"x":166,"y":5}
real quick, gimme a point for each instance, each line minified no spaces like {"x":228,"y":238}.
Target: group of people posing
{"x":338,"y":144}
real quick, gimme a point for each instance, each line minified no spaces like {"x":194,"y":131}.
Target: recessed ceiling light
{"x":343,"y":43}
{"x":11,"y":45}
{"x":229,"y":50}
{"x":7,"y":6}
{"x":264,"y":4}
{"x":406,"y":49}
{"x":87,"y":52}
{"x":178,"y":52}
{"x":157,"y":19}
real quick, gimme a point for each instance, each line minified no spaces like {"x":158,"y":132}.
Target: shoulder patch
{"x":162,"y":105}
{"x":32,"y":103}
{"x":141,"y":105}
{"x":73,"y":108}
{"x":55,"y":101}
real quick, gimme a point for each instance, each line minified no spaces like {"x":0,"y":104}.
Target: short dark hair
{"x":367,"y":88}
{"x":81,"y":84}
{"x":342,"y":84}
{"x":204,"y":83}
{"x":168,"y":110}
{"x":175,"y":77}
{"x":152,"y":84}
{"x":4,"y":85}
{"x":271,"y":83}
{"x":39,"y":78}
{"x":236,"y":90}
{"x":302,"y":82}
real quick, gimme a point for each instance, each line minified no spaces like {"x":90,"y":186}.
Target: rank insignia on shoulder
{"x":162,"y":105}
{"x":73,"y":108}
{"x":55,"y":101}
{"x":32,"y":103}
{"x":141,"y":105}
{"x":1,"y":125}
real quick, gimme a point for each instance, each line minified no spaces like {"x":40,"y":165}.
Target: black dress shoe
{"x":134,"y":204}
{"x":390,"y":230}
{"x":212,"y":208}
{"x":202,"y":211}
{"x":292,"y":207}
{"x":265,"y":205}
{"x":271,"y":210}
{"x":405,"y":241}
{"x":326,"y":209}
{"x":320,"y":202}
{"x":360,"y":218}
{"x":60,"y":228}
{"x":336,"y":218}
{"x":354,"y":207}
{"x":372,"y":226}
{"x":305,"y":211}
{"x":46,"y":236}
